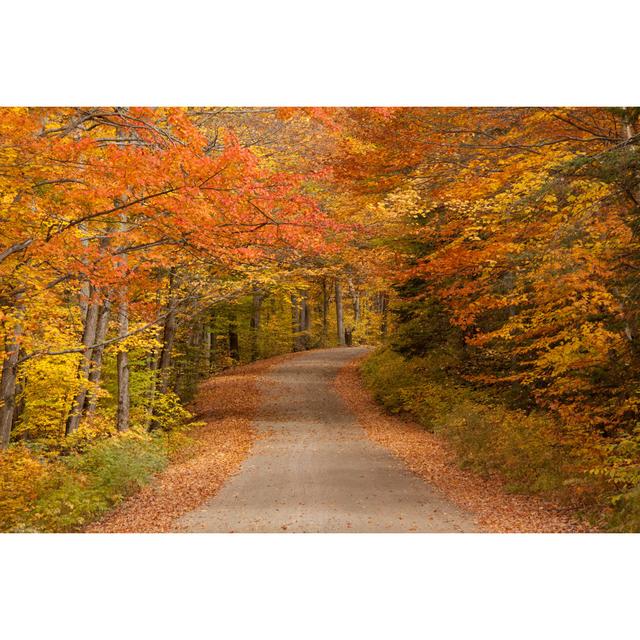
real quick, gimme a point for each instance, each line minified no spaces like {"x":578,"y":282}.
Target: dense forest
{"x":491,"y":254}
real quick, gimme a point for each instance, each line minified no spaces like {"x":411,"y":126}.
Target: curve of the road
{"x":313,"y":469}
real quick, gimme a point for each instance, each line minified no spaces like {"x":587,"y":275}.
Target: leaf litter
{"x":431,"y":458}
{"x":226,"y":404}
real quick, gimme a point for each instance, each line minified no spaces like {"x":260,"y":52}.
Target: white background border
{"x":334,"y":52}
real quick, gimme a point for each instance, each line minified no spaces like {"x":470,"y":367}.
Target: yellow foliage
{"x":20,"y":474}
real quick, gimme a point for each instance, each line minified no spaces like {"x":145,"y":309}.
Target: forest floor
{"x":297,"y":444}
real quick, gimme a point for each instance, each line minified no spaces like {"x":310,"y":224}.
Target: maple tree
{"x":106,"y":205}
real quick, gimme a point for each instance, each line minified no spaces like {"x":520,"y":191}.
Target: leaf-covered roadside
{"x":226,"y":405}
{"x":430,"y":457}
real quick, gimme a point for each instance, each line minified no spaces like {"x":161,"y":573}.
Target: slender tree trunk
{"x":88,"y":340}
{"x":20,"y":397}
{"x":325,"y":313}
{"x":630,"y":311}
{"x":339,"y":314}
{"x":234,"y":343}
{"x":164,"y":361}
{"x":206,"y":346}
{"x":151,"y":393}
{"x":95,"y":373}
{"x":384,"y":306}
{"x":8,"y":384}
{"x":85,"y":294}
{"x":300,"y":321}
{"x":305,"y":321}
{"x":213,"y":350}
{"x":95,"y":370}
{"x":255,"y":326}
{"x":85,"y":286}
{"x":168,"y":336}
{"x":295,"y":322}
{"x":124,"y":396}
{"x":122,"y":359}
{"x":355,"y":297}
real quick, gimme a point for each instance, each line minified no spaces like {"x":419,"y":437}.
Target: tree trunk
{"x":255,"y":326}
{"x":234,"y":343}
{"x":384,"y":306}
{"x":305,"y":321}
{"x":88,"y":340}
{"x":163,"y":366}
{"x":8,"y":385}
{"x":630,"y":311}
{"x":300,"y":320}
{"x":339,"y":314}
{"x":83,"y":301}
{"x":206,"y":346}
{"x":20,"y":396}
{"x":85,"y":286}
{"x":122,"y":359}
{"x":168,"y":336}
{"x":95,"y":373}
{"x":124,"y":398}
{"x":213,"y":346}
{"x":152,"y":364}
{"x":355,"y":297}
{"x":295,"y":322}
{"x":348,"y":337}
{"x":325,"y":313}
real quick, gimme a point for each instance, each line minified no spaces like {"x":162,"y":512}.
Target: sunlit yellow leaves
{"x":358,"y":146}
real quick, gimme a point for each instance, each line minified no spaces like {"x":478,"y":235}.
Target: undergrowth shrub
{"x":21,"y":475}
{"x":64,"y":484}
{"x":626,"y":514}
{"x":621,"y":468}
{"x":168,"y":412}
{"x":91,"y":483}
{"x":66,"y":493}
{"x":522,"y":448}
{"x":529,"y":451}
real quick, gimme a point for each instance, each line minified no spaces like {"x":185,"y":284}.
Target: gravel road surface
{"x":313,"y":469}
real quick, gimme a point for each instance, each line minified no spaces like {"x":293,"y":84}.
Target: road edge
{"x":429,"y":456}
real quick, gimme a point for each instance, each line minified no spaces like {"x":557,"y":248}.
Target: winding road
{"x":313,"y":469}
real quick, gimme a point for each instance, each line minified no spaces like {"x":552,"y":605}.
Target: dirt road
{"x":314,"y":470}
